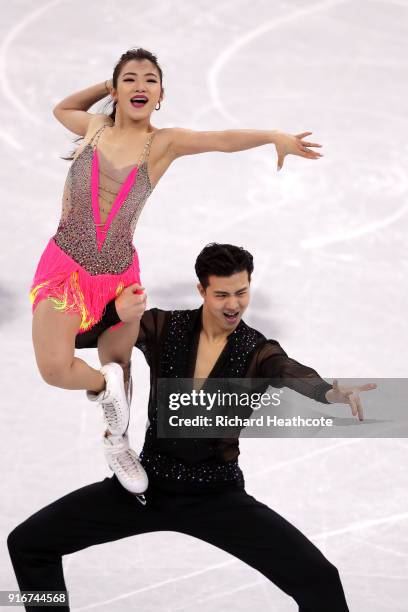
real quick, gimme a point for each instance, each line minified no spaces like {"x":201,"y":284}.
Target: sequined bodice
{"x":100,"y":209}
{"x":111,"y":181}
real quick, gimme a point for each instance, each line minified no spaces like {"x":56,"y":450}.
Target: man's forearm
{"x":84,"y":99}
{"x":111,"y":316}
{"x":239,"y":140}
{"x":315,"y":388}
{"x":89,"y":339}
{"x":284,"y":371}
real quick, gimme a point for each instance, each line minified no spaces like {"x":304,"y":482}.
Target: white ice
{"x":330,"y":280}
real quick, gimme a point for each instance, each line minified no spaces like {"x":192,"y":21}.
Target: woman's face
{"x":138,"y":78}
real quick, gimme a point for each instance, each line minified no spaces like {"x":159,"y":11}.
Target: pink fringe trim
{"x":62,"y":280}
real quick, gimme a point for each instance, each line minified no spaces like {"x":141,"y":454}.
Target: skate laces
{"x":128,"y":463}
{"x":112,"y":413}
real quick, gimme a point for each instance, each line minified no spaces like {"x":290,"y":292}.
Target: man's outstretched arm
{"x":286,"y":372}
{"x":277,"y":365}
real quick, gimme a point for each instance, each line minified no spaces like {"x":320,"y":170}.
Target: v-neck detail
{"x":193,"y":352}
{"x":103,"y":228}
{"x":108,"y":163}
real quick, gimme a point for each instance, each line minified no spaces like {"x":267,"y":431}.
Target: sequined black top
{"x":169,"y":342}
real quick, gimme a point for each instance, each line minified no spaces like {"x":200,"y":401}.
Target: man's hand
{"x":131,"y":303}
{"x":350,"y":396}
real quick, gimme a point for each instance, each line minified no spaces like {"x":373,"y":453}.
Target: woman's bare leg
{"x":117,"y":344}
{"x":54,"y":346}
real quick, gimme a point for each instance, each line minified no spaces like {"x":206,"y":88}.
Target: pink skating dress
{"x":88,"y":263}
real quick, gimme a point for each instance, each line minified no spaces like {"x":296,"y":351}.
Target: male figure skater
{"x":195,"y":487}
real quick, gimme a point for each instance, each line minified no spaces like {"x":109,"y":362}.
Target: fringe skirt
{"x":72,"y":289}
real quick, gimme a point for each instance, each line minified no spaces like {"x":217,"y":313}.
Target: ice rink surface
{"x":330,"y":279}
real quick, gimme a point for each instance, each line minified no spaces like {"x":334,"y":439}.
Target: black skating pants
{"x":231,"y":519}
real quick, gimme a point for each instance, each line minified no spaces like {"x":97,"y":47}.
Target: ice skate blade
{"x":141,"y":498}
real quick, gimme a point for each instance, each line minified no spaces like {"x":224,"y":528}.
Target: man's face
{"x":226,"y":298}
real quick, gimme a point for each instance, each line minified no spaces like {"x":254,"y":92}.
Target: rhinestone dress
{"x":91,"y":257}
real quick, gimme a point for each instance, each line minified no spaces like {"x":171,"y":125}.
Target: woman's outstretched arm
{"x":190,"y":142}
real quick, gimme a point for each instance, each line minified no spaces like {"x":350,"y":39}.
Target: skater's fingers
{"x":359,"y":408}
{"x":140,"y":307}
{"x":141,"y":299}
{"x":303,"y":134}
{"x":139,"y":296}
{"x":132,"y":289}
{"x":353,"y":403}
{"x":130,"y":304}
{"x":367,"y":387}
{"x":310,"y":144}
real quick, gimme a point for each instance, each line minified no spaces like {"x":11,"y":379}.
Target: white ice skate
{"x":124,"y":462}
{"x":113,"y":399}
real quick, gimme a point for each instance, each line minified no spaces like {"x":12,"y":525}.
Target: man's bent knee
{"x":16,"y":542}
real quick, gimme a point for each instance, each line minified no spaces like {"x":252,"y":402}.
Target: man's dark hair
{"x":222,"y":260}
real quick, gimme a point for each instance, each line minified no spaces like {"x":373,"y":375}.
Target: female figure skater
{"x":91,"y":257}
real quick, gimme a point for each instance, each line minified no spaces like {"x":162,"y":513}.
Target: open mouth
{"x":231,"y":317}
{"x":138,"y":101}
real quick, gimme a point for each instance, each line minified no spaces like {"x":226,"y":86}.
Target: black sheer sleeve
{"x":150,"y":334}
{"x":89,"y":339}
{"x":151,"y":327}
{"x":274,"y":363}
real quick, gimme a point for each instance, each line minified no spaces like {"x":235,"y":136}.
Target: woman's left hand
{"x":289,"y":143}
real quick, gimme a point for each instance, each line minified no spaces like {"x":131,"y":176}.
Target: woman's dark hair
{"x":131,"y":54}
{"x":222,"y":260}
